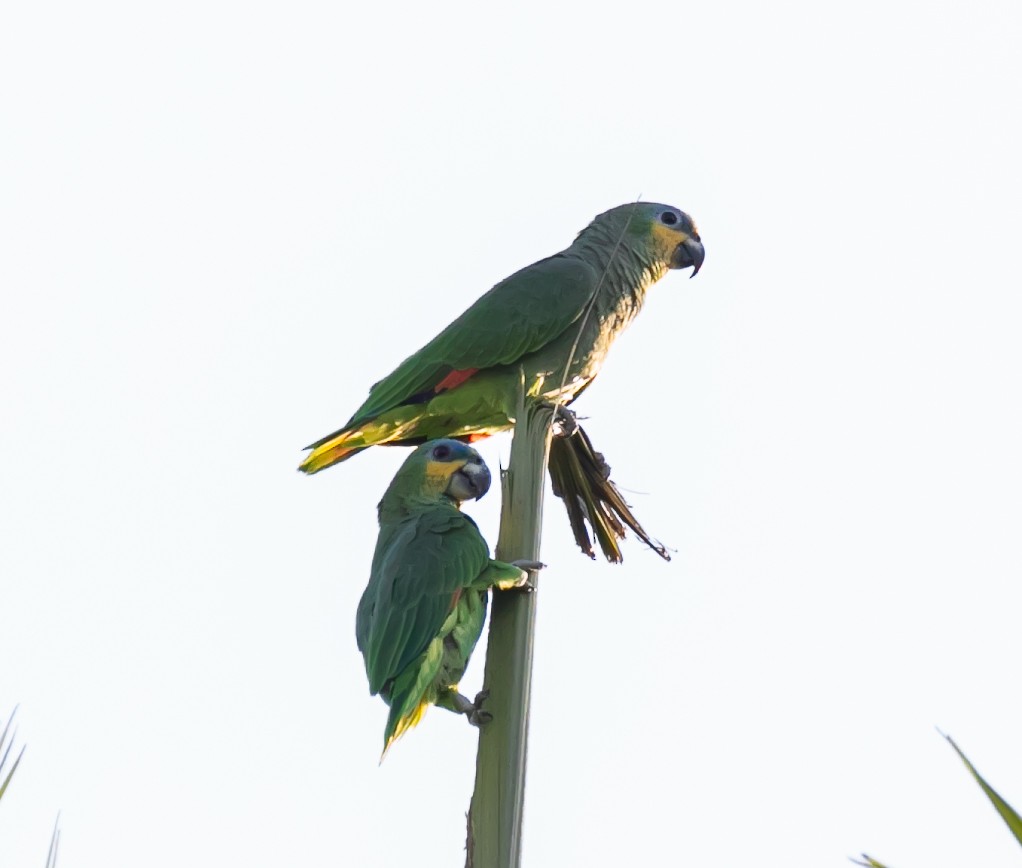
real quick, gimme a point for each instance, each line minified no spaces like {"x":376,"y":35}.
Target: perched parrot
{"x":423,"y":610}
{"x":553,"y":323}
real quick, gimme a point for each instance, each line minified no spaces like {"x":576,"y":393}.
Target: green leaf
{"x":10,"y":774}
{"x":1006,"y":811}
{"x":5,"y":752}
{"x":51,"y":857}
{"x":868,"y":862}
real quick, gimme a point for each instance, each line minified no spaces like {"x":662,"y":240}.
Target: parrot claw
{"x":472,"y":709}
{"x":565,"y":422}
{"x":526,"y":584}
{"x":476,"y":715}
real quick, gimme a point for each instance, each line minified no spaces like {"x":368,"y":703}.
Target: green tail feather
{"x":581,"y":478}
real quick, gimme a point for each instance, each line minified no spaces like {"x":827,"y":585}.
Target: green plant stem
{"x":495,"y":815}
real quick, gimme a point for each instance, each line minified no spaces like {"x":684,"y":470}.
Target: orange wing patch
{"x":454,"y":379}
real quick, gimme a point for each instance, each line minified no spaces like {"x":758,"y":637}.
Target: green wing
{"x":518,"y":316}
{"x":419,"y":566}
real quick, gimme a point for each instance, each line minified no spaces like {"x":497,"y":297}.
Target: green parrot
{"x":551,"y":323}
{"x":422,"y":612}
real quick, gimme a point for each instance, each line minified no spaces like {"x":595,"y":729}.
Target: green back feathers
{"x":518,"y":316}
{"x":427,"y":552}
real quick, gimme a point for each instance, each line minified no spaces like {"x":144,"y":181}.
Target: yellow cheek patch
{"x":665,"y":238}
{"x":439,"y":473}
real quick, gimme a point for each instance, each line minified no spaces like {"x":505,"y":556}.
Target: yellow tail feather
{"x":394,"y":425}
{"x":406,"y":723}
{"x":330,"y":453}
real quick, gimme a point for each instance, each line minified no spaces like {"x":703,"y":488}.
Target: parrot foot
{"x":565,"y":422}
{"x":566,"y":425}
{"x":454,"y":701}
{"x":476,"y":715}
{"x":527,"y":584}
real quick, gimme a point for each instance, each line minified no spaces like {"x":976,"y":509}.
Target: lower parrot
{"x":422,"y":612}
{"x":551,"y":323}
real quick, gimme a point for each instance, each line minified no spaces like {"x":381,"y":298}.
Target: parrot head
{"x":440,"y":469}
{"x":664,"y":235}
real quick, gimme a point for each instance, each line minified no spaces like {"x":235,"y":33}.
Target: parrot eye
{"x":442,"y":452}
{"x":668,"y":218}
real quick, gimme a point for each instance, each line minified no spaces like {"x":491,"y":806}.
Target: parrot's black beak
{"x":471,"y":481}
{"x":689,"y":253}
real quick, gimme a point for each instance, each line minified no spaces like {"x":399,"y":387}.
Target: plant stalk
{"x":495,"y":815}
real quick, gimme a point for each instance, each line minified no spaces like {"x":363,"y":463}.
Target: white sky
{"x":221,"y":222}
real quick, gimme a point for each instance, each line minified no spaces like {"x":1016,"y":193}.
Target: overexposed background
{"x":221,"y":221}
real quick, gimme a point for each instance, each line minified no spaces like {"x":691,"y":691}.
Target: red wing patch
{"x":453,"y":380}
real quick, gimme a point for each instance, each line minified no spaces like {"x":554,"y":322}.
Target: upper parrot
{"x":554,"y":321}
{"x":423,"y":610}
